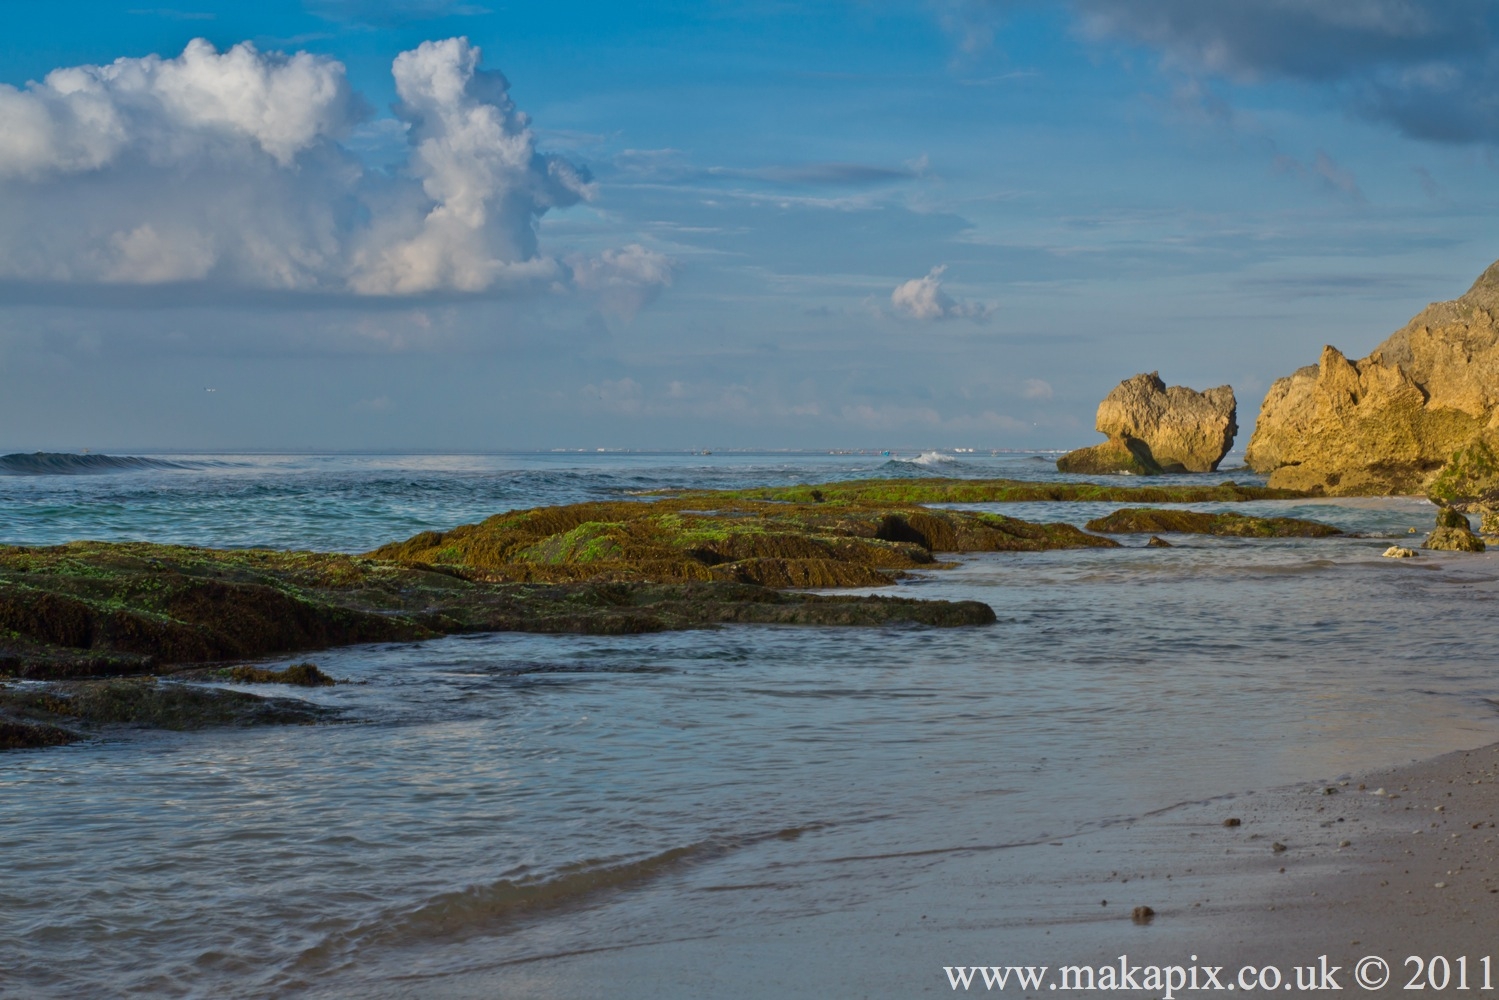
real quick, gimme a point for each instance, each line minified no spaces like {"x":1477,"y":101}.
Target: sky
{"x":472,"y":225}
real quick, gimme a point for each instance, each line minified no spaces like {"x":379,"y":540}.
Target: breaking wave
{"x":48,"y":463}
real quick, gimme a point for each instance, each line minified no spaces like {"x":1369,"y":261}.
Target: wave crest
{"x":48,"y":463}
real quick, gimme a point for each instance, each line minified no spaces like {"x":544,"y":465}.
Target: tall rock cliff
{"x":1390,"y":422}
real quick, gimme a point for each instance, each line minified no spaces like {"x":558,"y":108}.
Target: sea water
{"x":746,"y":811}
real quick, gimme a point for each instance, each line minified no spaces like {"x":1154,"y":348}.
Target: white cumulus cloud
{"x":925,"y":299}
{"x":476,"y":158}
{"x":230,"y":169}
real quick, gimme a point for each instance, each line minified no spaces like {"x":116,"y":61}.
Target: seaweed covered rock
{"x":1453,"y":533}
{"x":17,"y":735}
{"x":1388,"y":423}
{"x":94,"y":609}
{"x":1469,"y":482}
{"x":941,"y":490}
{"x":296,"y":675}
{"x":1148,"y":520}
{"x":36,"y":715}
{"x":703,"y":537}
{"x":1154,"y":428}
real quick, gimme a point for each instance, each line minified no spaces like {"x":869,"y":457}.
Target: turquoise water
{"x":748,"y":811}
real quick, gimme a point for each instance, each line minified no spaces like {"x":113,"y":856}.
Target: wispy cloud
{"x":385,"y":13}
{"x":1325,"y":171}
{"x":171,"y":14}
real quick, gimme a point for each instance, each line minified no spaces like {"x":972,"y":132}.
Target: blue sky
{"x":944,"y":223}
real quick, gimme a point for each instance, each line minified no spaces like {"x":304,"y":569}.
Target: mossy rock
{"x":1453,"y":533}
{"x":1470,"y":478}
{"x":1149,"y":520}
{"x":1116,"y":456}
{"x":16,"y":735}
{"x":941,"y":490}
{"x":709,"y":537}
{"x":296,"y":675}
{"x":1449,"y":517}
{"x":92,"y":609}
{"x":150,"y":704}
{"x":1453,"y":540}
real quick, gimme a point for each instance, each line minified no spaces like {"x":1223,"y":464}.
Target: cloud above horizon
{"x":1430,"y":68}
{"x":925,"y":299}
{"x":229,"y":169}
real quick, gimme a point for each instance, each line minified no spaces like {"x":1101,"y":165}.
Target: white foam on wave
{"x":932,"y":458}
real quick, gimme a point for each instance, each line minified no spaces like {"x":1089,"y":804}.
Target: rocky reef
{"x":706,"y":537}
{"x":1391,"y":422}
{"x":99,"y":622}
{"x":1147,"y":520}
{"x":138,"y":634}
{"x":1153,"y":428}
{"x":93,"y":609}
{"x":935,"y":490}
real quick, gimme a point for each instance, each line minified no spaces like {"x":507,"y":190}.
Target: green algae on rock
{"x":95,"y":609}
{"x":1453,"y":533}
{"x":1148,"y":520}
{"x":708,"y":537}
{"x":938,"y":490}
{"x":1470,"y":481}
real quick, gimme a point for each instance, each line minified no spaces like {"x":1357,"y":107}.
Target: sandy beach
{"x":1396,"y":864}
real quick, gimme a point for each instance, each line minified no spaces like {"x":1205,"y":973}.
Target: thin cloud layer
{"x":228,"y":169}
{"x":1428,"y":67}
{"x":623,"y":281}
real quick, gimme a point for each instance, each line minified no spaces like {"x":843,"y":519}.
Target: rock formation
{"x":1470,"y":480}
{"x":1453,"y":533}
{"x":1154,"y":429}
{"x":1145,"y":520}
{"x":1388,"y":423}
{"x":1114,"y":457}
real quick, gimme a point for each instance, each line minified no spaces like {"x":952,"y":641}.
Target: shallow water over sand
{"x":752,"y":811}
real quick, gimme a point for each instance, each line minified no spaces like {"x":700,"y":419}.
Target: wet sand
{"x":1394,"y":863}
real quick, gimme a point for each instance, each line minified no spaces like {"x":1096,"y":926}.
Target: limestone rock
{"x":1114,"y":457}
{"x":1387,"y":423}
{"x":1153,"y":428}
{"x":1186,"y":431}
{"x":1399,"y":552}
{"x":1453,"y":533}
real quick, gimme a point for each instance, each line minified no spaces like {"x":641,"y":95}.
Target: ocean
{"x":747,"y":811}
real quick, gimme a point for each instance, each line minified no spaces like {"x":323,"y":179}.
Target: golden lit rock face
{"x":1153,"y":428}
{"x":1390,"y":422}
{"x":1184,"y":430}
